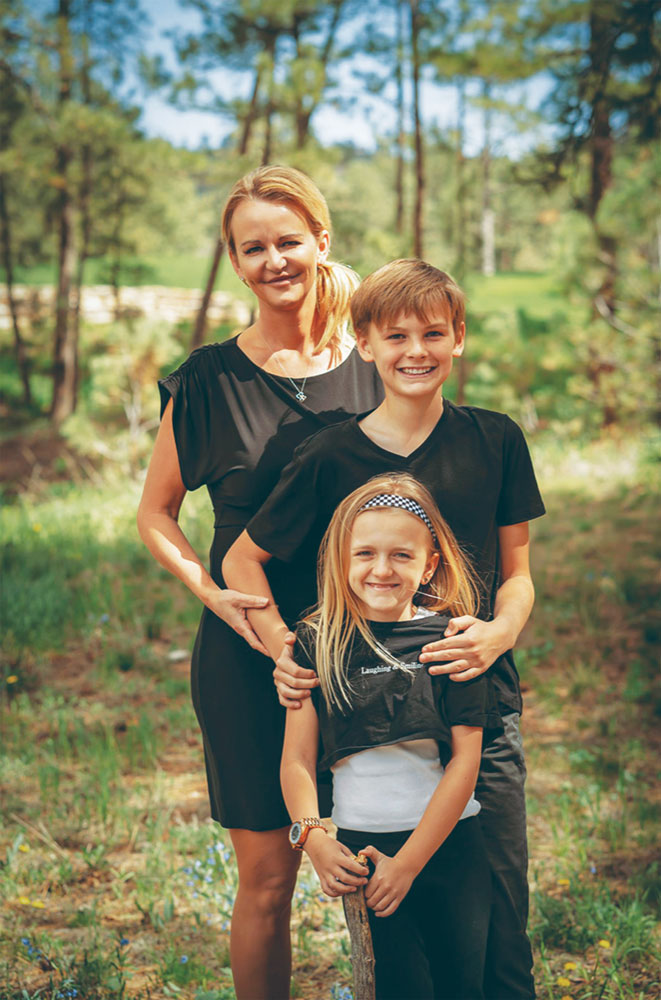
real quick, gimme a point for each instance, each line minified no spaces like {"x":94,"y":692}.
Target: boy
{"x":409,"y":320}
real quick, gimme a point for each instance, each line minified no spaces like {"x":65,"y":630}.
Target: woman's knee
{"x":267,"y":872}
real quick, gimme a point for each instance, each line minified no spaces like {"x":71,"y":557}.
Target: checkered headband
{"x":404,"y":503}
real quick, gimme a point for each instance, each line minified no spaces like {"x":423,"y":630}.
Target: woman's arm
{"x":392,"y":877}
{"x":243,"y":566}
{"x":334,"y":863}
{"x":158,"y":524}
{"x":471,"y":644}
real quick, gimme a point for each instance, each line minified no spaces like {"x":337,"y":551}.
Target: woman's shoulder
{"x":208,"y":358}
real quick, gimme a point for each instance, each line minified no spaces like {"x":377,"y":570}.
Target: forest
{"x":514,"y":143}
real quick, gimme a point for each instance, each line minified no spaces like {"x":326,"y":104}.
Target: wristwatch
{"x":298,"y":831}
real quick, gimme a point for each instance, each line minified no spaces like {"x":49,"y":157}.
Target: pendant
{"x":300,"y":396}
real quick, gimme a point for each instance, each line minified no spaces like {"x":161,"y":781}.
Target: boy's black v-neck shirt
{"x":476,"y":465}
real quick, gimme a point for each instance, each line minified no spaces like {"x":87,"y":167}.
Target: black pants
{"x":433,"y":946}
{"x":500,"y":792}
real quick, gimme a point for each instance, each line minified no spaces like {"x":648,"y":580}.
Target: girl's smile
{"x":390,"y":556}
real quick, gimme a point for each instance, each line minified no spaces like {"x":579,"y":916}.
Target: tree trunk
{"x":418,"y":239}
{"x":22,"y":361}
{"x":488,"y":218}
{"x":401,"y":136}
{"x":66,"y":343}
{"x":201,"y":319}
{"x":251,"y":116}
{"x":460,"y":179}
{"x":602,"y":40}
{"x":85,"y":188}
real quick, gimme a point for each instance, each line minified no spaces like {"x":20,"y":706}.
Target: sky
{"x":353,"y":123}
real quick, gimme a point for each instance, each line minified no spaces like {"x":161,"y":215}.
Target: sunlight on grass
{"x":115,"y":882}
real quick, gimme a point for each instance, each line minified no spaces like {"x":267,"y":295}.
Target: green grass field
{"x":113,"y":880}
{"x":538,"y":294}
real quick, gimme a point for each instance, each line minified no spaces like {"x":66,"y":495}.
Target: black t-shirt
{"x":236,"y":428}
{"x":476,"y":465}
{"x":389,"y":705}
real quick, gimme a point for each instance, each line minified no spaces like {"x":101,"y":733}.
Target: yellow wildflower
{"x":604,"y":943}
{"x":36,"y":527}
{"x":565,"y":997}
{"x":563,"y":881}
{"x":24,"y":847}
{"x":563,"y":981}
{"x":38,"y":905}
{"x":12,"y":679}
{"x":24,"y":901}
{"x":570,"y":965}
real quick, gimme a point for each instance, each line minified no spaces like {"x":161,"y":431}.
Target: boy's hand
{"x":292,"y":682}
{"x":338,"y":870}
{"x":388,"y":885}
{"x":469,"y":648}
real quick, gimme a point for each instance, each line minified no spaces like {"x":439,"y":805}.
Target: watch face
{"x":295,"y":832}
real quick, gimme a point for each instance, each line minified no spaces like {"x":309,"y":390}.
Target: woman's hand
{"x":338,"y":871}
{"x":230,"y":605}
{"x":469,"y":648}
{"x":293,"y":683}
{"x":389,"y":883}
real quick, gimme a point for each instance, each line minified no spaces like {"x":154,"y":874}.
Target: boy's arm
{"x":244,"y":562}
{"x":471,"y":644}
{"x":334,"y":863}
{"x":392,"y":877}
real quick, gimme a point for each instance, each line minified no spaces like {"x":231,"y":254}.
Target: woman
{"x":231,"y":416}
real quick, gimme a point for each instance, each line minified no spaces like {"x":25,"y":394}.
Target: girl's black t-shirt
{"x":392,"y":705}
{"x":476,"y":465}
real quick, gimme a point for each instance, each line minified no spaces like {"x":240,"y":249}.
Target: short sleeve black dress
{"x":235,"y":428}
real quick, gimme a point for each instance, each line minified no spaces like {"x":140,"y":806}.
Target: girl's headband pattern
{"x":404,"y":503}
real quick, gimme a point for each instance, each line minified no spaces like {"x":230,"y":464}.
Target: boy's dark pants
{"x":433,"y":946}
{"x":500,"y":792}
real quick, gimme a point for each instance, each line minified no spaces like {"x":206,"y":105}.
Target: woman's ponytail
{"x":336,"y":283}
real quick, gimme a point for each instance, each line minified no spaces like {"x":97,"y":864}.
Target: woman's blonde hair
{"x":337,"y":620}
{"x":336,"y":283}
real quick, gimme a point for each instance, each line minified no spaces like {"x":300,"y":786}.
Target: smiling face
{"x":276,"y":254}
{"x":390,"y":555}
{"x":413,"y":355}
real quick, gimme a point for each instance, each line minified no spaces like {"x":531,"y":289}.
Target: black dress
{"x":235,"y":428}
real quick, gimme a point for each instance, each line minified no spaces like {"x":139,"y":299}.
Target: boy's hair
{"x":409,"y":286}
{"x":337,"y":618}
{"x":335,"y":282}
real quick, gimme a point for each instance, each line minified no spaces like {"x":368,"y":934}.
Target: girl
{"x":403,"y":747}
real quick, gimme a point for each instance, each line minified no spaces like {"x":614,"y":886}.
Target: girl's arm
{"x":392,"y":877}
{"x":158,"y":524}
{"x":243,"y":566}
{"x":333,"y":862}
{"x":471,"y":644}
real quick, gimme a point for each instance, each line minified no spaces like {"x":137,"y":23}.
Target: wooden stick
{"x":362,"y":953}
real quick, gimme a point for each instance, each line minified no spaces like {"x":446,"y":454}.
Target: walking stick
{"x":362,"y":953}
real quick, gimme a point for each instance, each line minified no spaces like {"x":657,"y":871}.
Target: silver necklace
{"x":301,"y":395}
{"x":299,"y":390}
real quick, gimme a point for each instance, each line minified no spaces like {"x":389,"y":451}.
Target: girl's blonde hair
{"x":336,"y":283}
{"x":337,"y":620}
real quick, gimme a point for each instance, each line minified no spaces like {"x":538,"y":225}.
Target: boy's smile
{"x":413,"y":355}
{"x":390,"y":555}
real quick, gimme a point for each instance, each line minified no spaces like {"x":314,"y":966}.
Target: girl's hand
{"x":230,"y":605}
{"x":292,"y":682}
{"x":338,"y":871}
{"x":388,"y":885}
{"x":471,"y":645}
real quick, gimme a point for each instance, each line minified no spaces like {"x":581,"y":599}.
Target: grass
{"x":538,"y":294}
{"x":114,"y":882}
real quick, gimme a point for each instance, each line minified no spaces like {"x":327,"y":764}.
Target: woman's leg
{"x":260,"y":944}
